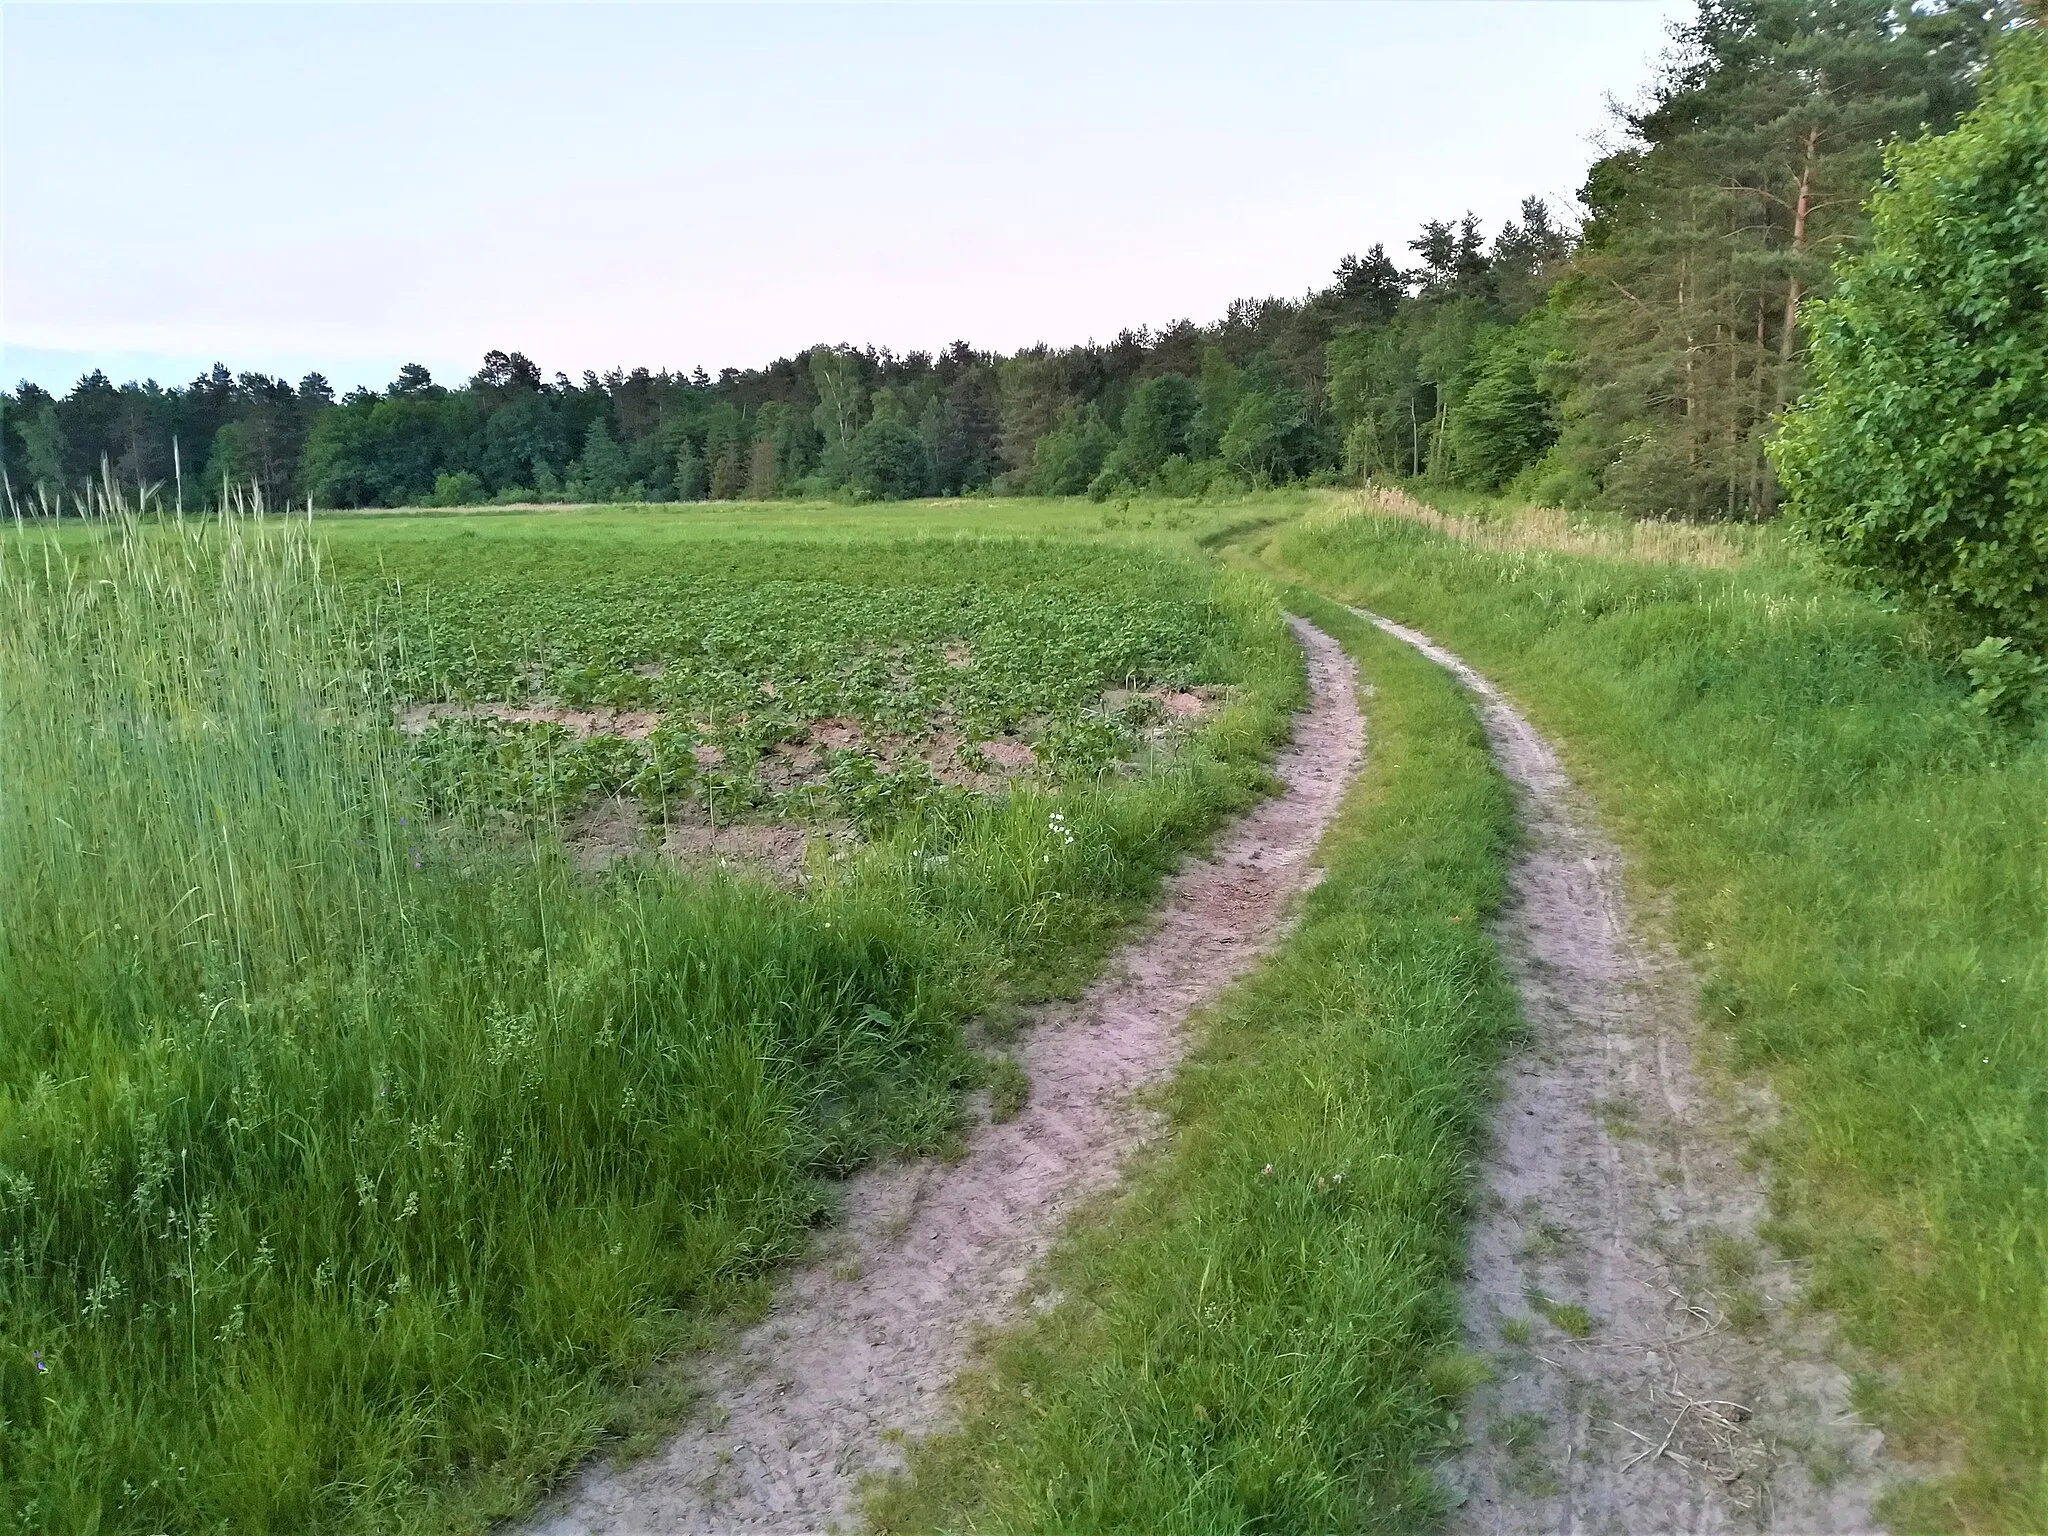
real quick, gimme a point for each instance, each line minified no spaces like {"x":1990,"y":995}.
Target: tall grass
{"x":1858,"y":864}
{"x":1505,"y":527}
{"x":351,"y":1170}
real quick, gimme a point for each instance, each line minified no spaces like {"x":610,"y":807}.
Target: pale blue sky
{"x":349,"y":188}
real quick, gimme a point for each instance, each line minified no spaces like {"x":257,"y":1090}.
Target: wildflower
{"x":42,"y":1365}
{"x":1266,"y":1172}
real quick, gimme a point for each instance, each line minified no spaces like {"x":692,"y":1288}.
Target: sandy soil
{"x":600,"y":720}
{"x":862,"y":1344}
{"x":1700,"y":1399}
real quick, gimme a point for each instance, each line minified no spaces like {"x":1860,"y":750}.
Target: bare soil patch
{"x":603,"y":833}
{"x":862,"y":1344}
{"x":1653,"y":1370}
{"x":775,"y":849}
{"x":779,"y":851}
{"x":627,"y":724}
{"x":1179,"y":705}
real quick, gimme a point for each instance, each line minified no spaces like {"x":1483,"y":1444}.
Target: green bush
{"x":1919,"y":459}
{"x":458,"y":490}
{"x":889,"y":462}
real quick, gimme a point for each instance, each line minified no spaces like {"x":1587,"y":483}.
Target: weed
{"x":1455,"y":1372}
{"x":1619,"y":1116}
{"x":1826,"y":1464}
{"x":1744,"y":1310}
{"x":1567,"y":1317}
{"x":1515,"y":1331}
{"x":999,"y":1025}
{"x":1009,"y":1089}
{"x":1731,"y":1259}
{"x":1541,"y":1238}
{"x":1522,"y":1437}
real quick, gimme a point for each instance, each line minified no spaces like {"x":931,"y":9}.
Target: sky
{"x":348,"y":188}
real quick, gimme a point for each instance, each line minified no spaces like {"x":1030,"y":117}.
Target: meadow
{"x":363,"y":1153}
{"x":371,"y":1150}
{"x":1852,"y":856}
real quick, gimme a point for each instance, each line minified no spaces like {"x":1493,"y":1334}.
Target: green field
{"x":361,"y":1153}
{"x":1857,"y":864}
{"x":367,"y":1146}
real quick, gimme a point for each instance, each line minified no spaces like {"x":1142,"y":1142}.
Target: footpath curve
{"x":861,"y":1345}
{"x":1651,"y":1371}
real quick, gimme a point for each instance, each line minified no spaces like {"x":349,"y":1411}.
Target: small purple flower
{"x":42,"y":1365}
{"x":415,"y":857}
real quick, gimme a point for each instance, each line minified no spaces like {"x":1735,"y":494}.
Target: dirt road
{"x":1652,"y":1373}
{"x":862,"y":1345}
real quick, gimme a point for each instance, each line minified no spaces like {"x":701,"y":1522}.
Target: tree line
{"x":1633,"y":356}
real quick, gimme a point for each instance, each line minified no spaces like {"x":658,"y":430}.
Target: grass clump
{"x":1567,"y":1317}
{"x":1009,"y":1089}
{"x":353,"y":1167}
{"x":1855,"y":862}
{"x":1241,"y":1350}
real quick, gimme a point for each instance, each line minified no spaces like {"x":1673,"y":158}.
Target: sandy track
{"x":866,"y":1340}
{"x":1698,"y":1402}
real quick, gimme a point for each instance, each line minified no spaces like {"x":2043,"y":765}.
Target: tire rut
{"x":862,"y":1345}
{"x":1653,"y":1371}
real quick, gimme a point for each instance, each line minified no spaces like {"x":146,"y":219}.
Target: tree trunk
{"x":1789,"y":332}
{"x":1756,"y":448}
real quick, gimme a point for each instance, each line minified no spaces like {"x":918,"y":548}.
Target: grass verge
{"x":1260,"y":1332}
{"x":1857,"y":867}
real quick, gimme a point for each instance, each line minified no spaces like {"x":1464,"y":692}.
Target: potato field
{"x":388,"y":1077}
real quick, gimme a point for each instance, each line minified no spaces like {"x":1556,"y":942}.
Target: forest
{"x":1630,"y":356}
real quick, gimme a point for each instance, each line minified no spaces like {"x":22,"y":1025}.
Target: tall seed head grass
{"x":194,"y":807}
{"x":1522,"y":529}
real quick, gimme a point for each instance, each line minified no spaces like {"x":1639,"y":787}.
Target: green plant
{"x":1917,"y":458}
{"x":461,"y":489}
{"x":1009,"y":1088}
{"x":1567,"y":1317}
{"x":745,"y":650}
{"x":2009,"y":684}
{"x":1523,"y":1437}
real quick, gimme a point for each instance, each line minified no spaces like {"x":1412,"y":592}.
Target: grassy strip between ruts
{"x":1260,"y":1332}
{"x":1855,"y":863}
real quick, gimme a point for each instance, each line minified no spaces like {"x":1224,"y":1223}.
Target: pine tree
{"x":1749,"y":177}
